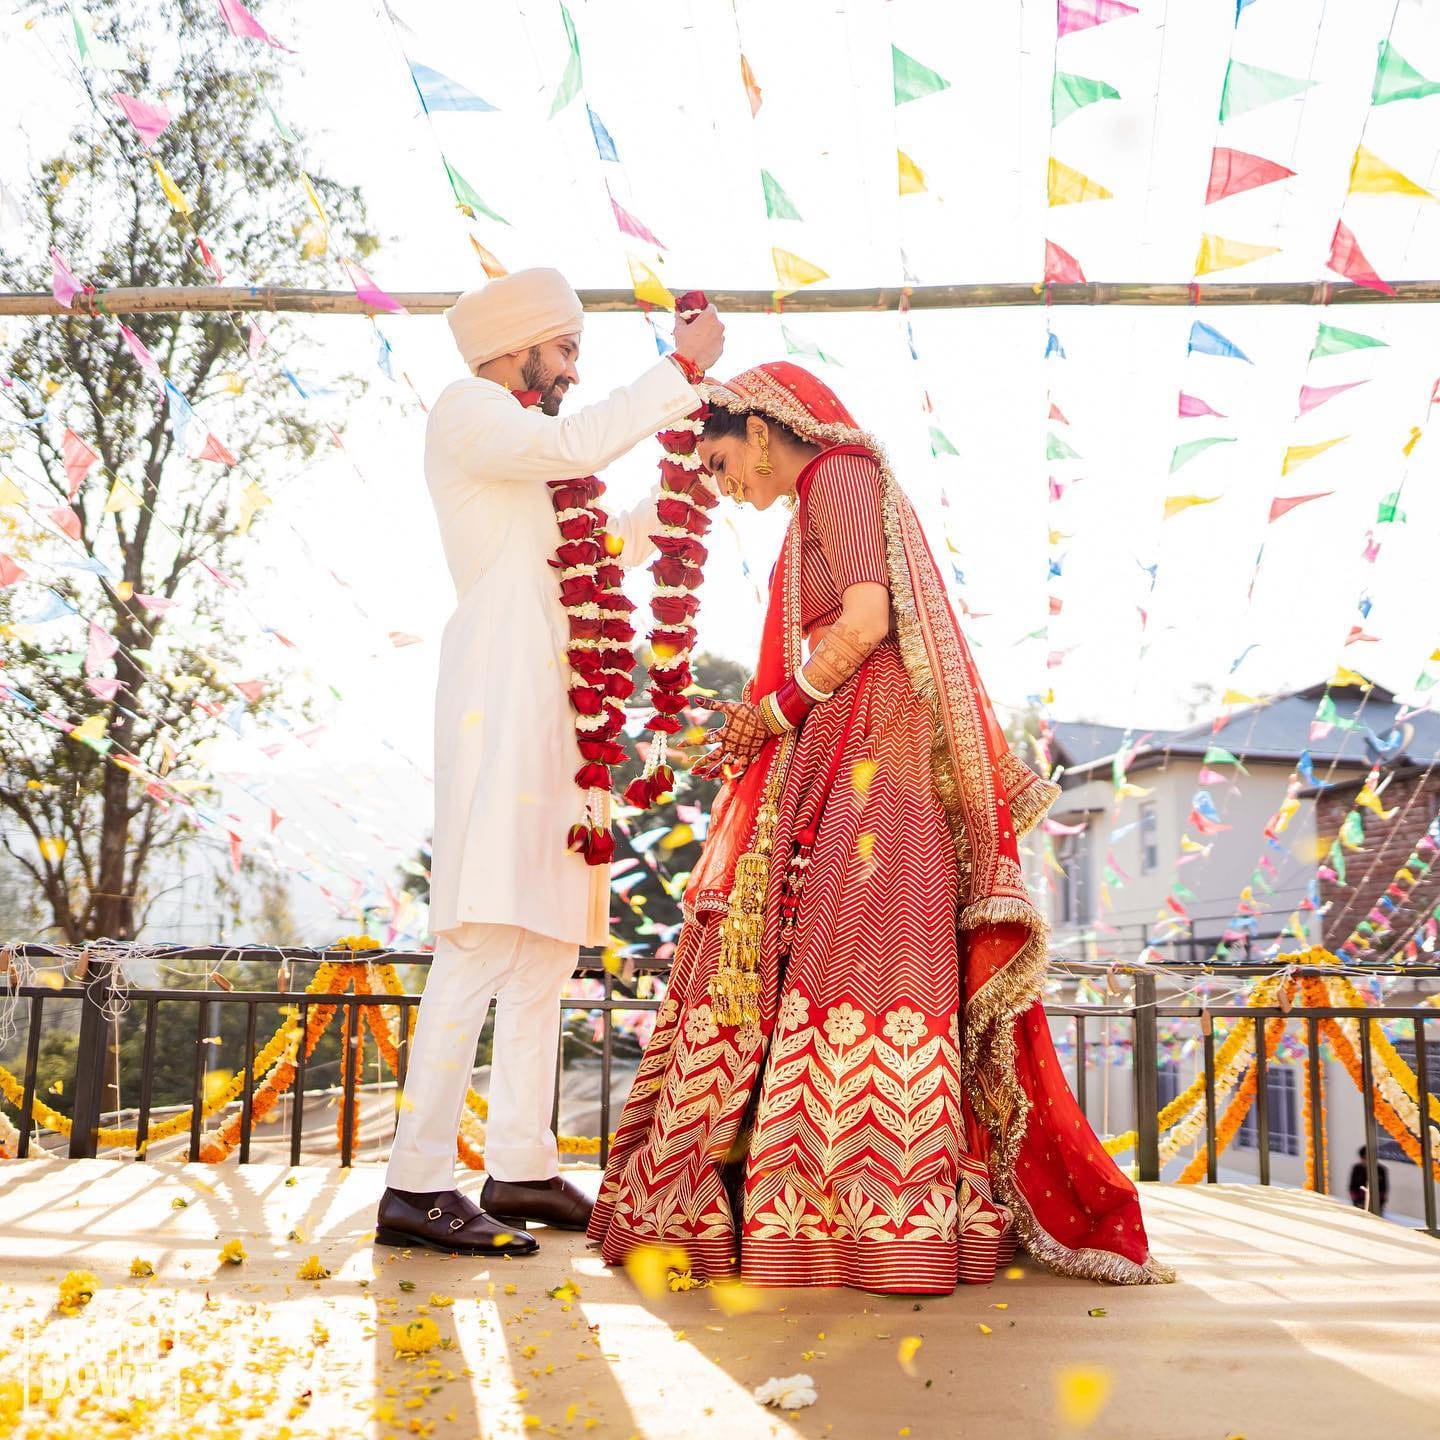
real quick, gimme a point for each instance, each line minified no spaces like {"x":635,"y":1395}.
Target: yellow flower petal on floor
{"x":77,"y":1290}
{"x":414,"y":1338}
{"x":312,"y":1269}
{"x":233,"y":1253}
{"x":1081,"y":1392}
{"x":141,"y":1269}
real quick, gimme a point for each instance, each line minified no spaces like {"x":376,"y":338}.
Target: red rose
{"x":664,"y":725}
{"x":610,"y":576}
{"x":607,"y":752}
{"x":618,"y":685}
{"x":666,"y":703}
{"x":587,"y":662}
{"x":620,"y":630}
{"x":602,"y":848}
{"x":673,"y":640}
{"x":682,"y":547}
{"x":578,"y":552}
{"x":592,"y":775}
{"x":619,"y":602}
{"x":637,"y":793}
{"x":586,"y":700}
{"x":614,"y":658}
{"x":578,"y":840}
{"x":578,"y":527}
{"x":672,"y":511}
{"x":584,"y":627}
{"x":578,"y":590}
{"x":676,"y":678}
{"x":674,"y":609}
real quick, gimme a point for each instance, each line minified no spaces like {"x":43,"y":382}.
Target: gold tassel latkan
{"x":735,"y":987}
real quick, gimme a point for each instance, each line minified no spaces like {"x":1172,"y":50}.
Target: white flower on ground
{"x":789,"y":1393}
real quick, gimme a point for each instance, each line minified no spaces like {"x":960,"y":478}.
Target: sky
{"x":347,"y":557}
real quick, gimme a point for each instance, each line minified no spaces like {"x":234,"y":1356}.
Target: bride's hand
{"x":736,"y":742}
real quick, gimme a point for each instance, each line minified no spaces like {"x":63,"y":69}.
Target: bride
{"x":851,"y":1079}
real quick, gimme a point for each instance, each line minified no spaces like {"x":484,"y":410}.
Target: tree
{"x":158,"y":528}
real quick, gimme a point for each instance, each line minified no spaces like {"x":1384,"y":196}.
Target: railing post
{"x":89,"y":1082}
{"x":1145,"y":1055}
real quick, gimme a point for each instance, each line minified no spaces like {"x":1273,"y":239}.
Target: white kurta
{"x":505,"y":747}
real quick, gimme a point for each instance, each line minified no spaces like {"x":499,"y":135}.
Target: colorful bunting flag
{"x":573,"y":77}
{"x":1397,"y":79}
{"x":649,"y":288}
{"x":96,"y":54}
{"x":1218,"y":253}
{"x":64,"y":286}
{"x":1073,"y":15}
{"x":143,"y":358}
{"x":1192,"y":407}
{"x":10,"y":572}
{"x":149,"y":120}
{"x":215,"y":449}
{"x":173,"y":193}
{"x":1061,"y":267}
{"x":492,"y":267}
{"x":753,"y":92}
{"x":369,"y":293}
{"x":78,"y":457}
{"x":1174,"y":504}
{"x":1347,"y":259}
{"x":1390,"y":511}
{"x":1370,"y":175}
{"x":1283,"y":504}
{"x":1298,"y":454}
{"x":631,"y":226}
{"x":467,"y":197}
{"x":1313,"y":396}
{"x":439,"y":92}
{"x":1057,"y":449}
{"x":940,"y":443}
{"x":1186,"y":452}
{"x":913,"y":81}
{"x":242,"y":24}
{"x":10,"y":492}
{"x":604,"y":145}
{"x":778,"y":205}
{"x":912,"y":177}
{"x":1248,"y":87}
{"x":1067,"y":186}
{"x":791,"y":271}
{"x":1331,"y":340}
{"x":1206,"y":340}
{"x":122,"y":497}
{"x":1232,"y":171}
{"x":795,"y":345}
{"x":1070,"y":93}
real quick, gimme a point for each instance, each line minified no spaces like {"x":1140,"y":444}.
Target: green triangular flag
{"x":1331,"y":340}
{"x":1337,"y":861}
{"x":1247,"y":87}
{"x":913,"y":81}
{"x":281,"y":128}
{"x":1426,"y":681}
{"x":1353,"y":830}
{"x":1397,"y":79}
{"x":573,"y":77}
{"x":1057,"y":449}
{"x":1183,"y":892}
{"x":1326,"y":712}
{"x":1390,"y":511}
{"x":796,"y":346}
{"x":1185,"y":453}
{"x":466,"y":197}
{"x":1074,"y":92}
{"x":940,"y":442}
{"x":778,"y":205}
{"x":1219,"y":755}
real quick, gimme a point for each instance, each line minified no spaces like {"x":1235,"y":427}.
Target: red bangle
{"x":793,"y":703}
{"x":688,"y":368}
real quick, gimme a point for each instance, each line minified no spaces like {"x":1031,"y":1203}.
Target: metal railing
{"x":1142,"y":1010}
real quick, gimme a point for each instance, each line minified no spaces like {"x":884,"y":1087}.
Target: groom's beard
{"x":536,"y":377}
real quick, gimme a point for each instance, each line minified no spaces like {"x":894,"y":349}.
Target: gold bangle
{"x":770,"y":712}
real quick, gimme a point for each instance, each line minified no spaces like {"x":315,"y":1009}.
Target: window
{"x":1073,"y":853}
{"x":1283,"y":1090}
{"x":1167,"y":1082}
{"x":1149,"y":839}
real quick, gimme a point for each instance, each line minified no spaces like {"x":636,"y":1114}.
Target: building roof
{"x":1279,"y":731}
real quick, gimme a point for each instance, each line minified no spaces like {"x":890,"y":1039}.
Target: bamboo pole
{"x":274,"y":298}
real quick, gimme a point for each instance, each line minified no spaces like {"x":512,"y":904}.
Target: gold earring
{"x":763,"y":441}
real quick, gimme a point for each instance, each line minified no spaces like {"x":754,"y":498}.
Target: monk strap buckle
{"x":456,"y":1224}
{"x":434,"y":1214}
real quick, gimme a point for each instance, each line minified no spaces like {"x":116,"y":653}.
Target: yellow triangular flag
{"x":53,"y":847}
{"x":1238,"y":697}
{"x":1069,"y":187}
{"x":252,"y":499}
{"x":1299,"y":454}
{"x":1174,"y":504}
{"x":10,"y":492}
{"x":122,"y":497}
{"x":1192,"y":847}
{"x":1370,"y":175}
{"x":1344,"y":676}
{"x":172,"y":190}
{"x":314,"y":200}
{"x":912,"y":177}
{"x":1138,"y":791}
{"x":649,"y":287}
{"x":792,"y":272}
{"x":92,"y":729}
{"x":1218,"y":253}
{"x":1371,"y":801}
{"x":1413,"y":441}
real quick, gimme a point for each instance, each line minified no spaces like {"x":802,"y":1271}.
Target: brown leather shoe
{"x":557,"y":1202}
{"x":453,"y":1223}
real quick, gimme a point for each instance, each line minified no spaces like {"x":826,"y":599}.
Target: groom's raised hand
{"x":701,"y":338}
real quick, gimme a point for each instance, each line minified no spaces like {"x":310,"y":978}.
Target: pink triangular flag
{"x":369,"y":292}
{"x":144,"y":358}
{"x":1312,"y":396}
{"x":102,"y":687}
{"x":215,"y":450}
{"x":149,"y":120}
{"x":1057,"y":414}
{"x":1232,"y":171}
{"x":101,"y":647}
{"x":236,"y":846}
{"x":1282,"y":504}
{"x":243,"y":24}
{"x":1356,"y":633}
{"x":64,"y":286}
{"x":1207,"y":776}
{"x":155,"y":604}
{"x":631,"y":226}
{"x":67,"y":520}
{"x":252,"y":690}
{"x":1076,"y":15}
{"x":211,"y":263}
{"x":1057,"y":488}
{"x":1372,"y":547}
{"x":10,"y":572}
{"x":78,"y":458}
{"x":1347,"y":259}
{"x":1061,"y":267}
{"x":275,"y":818}
{"x":1191,"y":407}
{"x":258,"y":339}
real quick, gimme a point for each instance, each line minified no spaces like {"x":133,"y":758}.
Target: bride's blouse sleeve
{"x":843,"y":518}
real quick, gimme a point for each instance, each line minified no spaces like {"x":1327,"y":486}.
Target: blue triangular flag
{"x":1053,"y":345}
{"x":1206,"y":340}
{"x":604,"y":145}
{"x":439,"y":92}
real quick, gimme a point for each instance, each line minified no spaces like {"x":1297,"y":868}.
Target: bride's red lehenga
{"x":892,"y":1116}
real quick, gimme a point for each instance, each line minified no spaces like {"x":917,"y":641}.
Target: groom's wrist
{"x":688,"y":368}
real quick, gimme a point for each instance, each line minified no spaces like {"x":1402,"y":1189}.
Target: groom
{"x":509,"y":904}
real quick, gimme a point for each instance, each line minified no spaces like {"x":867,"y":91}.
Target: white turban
{"x":514,"y":313}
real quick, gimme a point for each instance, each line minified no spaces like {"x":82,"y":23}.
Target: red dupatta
{"x":1074,"y":1209}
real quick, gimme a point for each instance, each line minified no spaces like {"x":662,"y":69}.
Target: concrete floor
{"x":1293,"y":1316}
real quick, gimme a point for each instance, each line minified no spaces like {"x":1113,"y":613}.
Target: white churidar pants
{"x":524,"y":972}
